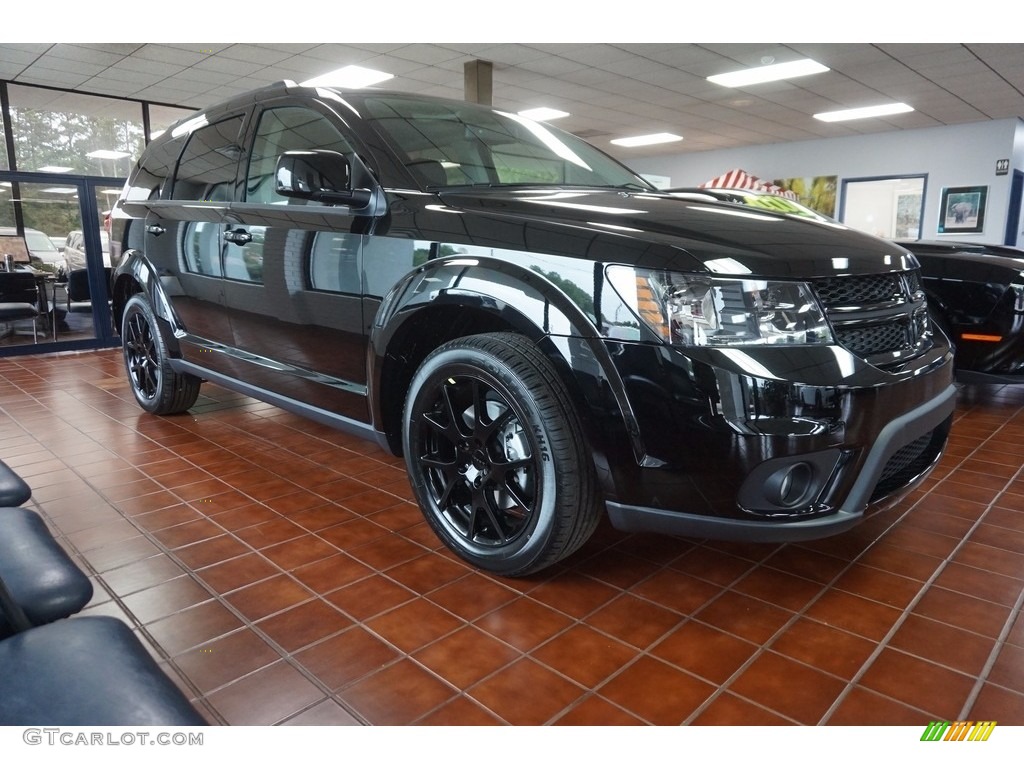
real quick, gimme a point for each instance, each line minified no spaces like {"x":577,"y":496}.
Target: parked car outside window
{"x":74,"y":251}
{"x":541,"y":334}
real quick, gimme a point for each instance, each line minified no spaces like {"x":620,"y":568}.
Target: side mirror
{"x":320,"y":175}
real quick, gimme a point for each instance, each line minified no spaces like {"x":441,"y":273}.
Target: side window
{"x":207,"y":171}
{"x":154,"y":170}
{"x":282,"y":130}
{"x":209,"y":162}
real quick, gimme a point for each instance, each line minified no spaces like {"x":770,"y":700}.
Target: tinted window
{"x":282,"y":130}
{"x":451,"y":144}
{"x":154,"y":170}
{"x":209,"y":162}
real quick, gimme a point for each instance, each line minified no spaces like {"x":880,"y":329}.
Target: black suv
{"x":541,"y":333}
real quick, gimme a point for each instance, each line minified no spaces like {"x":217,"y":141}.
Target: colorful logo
{"x":969,"y":730}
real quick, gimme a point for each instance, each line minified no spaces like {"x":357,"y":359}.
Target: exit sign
{"x":1002,"y":167}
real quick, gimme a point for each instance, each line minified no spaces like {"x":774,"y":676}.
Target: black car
{"x":976,"y":292}
{"x":541,"y":333}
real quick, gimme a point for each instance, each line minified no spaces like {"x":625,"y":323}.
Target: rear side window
{"x":154,"y":170}
{"x":282,"y":130}
{"x":209,"y":162}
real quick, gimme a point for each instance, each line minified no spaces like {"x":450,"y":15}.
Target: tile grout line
{"x":882,"y":644}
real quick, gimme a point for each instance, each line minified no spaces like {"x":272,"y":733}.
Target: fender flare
{"x":138,"y":271}
{"x":508,"y":291}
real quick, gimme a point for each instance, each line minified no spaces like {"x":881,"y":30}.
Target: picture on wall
{"x":962,"y":210}
{"x":818,"y":192}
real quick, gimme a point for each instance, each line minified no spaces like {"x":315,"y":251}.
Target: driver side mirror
{"x":320,"y":175}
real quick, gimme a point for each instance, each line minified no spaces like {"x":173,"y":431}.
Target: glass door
{"x":51,"y":225}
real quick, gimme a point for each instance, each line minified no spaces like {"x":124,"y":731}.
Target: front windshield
{"x":450,"y":144}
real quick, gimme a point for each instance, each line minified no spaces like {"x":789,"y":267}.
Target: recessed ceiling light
{"x":349,"y":77}
{"x":856,"y":114}
{"x":785,"y":71}
{"x":652,"y":138}
{"x":543,"y":113}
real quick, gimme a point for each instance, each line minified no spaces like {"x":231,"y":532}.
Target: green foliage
{"x":579,"y":296}
{"x":64,"y":139}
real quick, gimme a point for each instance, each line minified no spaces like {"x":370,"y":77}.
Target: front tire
{"x":496,"y":456}
{"x":157,"y":387}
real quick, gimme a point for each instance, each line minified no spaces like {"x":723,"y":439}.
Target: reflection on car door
{"x":184,"y":241}
{"x":292,"y":282}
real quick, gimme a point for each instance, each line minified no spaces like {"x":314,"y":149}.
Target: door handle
{"x":155,"y":229}
{"x":238,"y":236}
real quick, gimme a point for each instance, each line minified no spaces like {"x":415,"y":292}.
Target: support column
{"x":479,"y":81}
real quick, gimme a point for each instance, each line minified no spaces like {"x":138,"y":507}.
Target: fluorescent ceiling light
{"x":61,"y":190}
{"x":56,"y":168}
{"x":861,"y":112}
{"x":108,"y":154}
{"x":768,"y":74}
{"x":543,"y":113}
{"x":642,"y":141}
{"x":349,"y":77}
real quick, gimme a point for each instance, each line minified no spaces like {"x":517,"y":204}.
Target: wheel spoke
{"x":496,"y":517}
{"x":476,"y":461}
{"x":445,"y":409}
{"x":485,"y":428}
{"x":451,"y":481}
{"x":141,"y":357}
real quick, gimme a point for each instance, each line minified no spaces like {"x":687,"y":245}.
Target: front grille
{"x":901,"y":334}
{"x":881,"y":318}
{"x":858,"y":289}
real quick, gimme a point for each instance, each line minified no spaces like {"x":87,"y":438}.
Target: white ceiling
{"x":610,"y":89}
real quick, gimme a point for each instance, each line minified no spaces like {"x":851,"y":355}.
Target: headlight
{"x":696,"y":310}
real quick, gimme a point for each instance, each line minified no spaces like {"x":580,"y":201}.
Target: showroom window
{"x":65,"y":132}
{"x":4,"y":163}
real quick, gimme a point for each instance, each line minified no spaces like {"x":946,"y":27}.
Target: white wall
{"x":950,"y":156}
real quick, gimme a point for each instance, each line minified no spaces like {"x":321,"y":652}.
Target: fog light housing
{"x":790,"y":486}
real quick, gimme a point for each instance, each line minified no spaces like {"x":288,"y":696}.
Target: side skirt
{"x":343,"y":423}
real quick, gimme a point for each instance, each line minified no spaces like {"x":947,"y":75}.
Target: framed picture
{"x":962,"y":210}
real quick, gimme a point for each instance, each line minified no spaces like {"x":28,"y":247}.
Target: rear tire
{"x":496,"y":456}
{"x":158,"y":388}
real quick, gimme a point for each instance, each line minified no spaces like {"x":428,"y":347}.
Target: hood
{"x":665,"y":232}
{"x":975,"y":262}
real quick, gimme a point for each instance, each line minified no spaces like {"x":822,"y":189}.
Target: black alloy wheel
{"x":496,"y":457}
{"x":157,"y":387}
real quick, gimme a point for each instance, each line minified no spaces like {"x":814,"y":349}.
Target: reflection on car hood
{"x":940,"y":257}
{"x":696,"y":235}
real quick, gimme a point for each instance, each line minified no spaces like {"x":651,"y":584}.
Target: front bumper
{"x":929,"y":419}
{"x":733,"y":448}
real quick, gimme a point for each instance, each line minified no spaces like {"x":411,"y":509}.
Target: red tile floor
{"x":279,"y":572}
